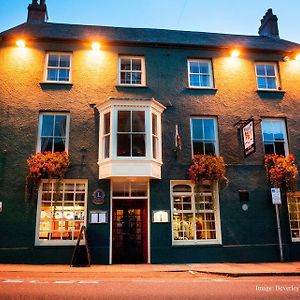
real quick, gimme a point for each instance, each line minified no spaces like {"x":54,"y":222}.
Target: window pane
{"x":139,"y":189}
{"x":120,"y":189}
{"x":279,"y":148}
{"x":136,"y":64}
{"x":182,"y":188}
{"x":138,"y":121}
{"x":268,"y":136}
{"x":154,"y":124}
{"x":46,"y":144}
{"x":269,"y":148}
{"x":47,"y":125}
{"x":123,"y":144}
{"x":59,"y":145}
{"x":106,"y":146}
{"x":52,"y":74}
{"x":106,"y":123}
{"x":205,"y":80}
{"x":271,"y":82}
{"x":270,"y":70}
{"x":125,"y":77}
{"x":64,"y":75}
{"x":204,"y":68}
{"x":125,"y":64}
{"x":124,"y":121}
{"x":198,"y":148}
{"x":194,"y":67}
{"x":197,"y":125}
{"x":260,"y":70}
{"x":209,"y":132}
{"x":136,"y":77}
{"x":60,"y":125}
{"x":210,"y":148}
{"x":154,"y":146}
{"x":261,"y":83}
{"x":53,"y":60}
{"x":65,"y":61}
{"x":195,"y":80}
{"x":138,"y":145}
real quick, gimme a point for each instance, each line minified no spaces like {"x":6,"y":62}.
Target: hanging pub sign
{"x":248,"y":138}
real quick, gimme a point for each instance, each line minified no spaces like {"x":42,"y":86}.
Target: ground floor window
{"x":294,"y":215}
{"x":195,"y":213}
{"x":61,"y":211}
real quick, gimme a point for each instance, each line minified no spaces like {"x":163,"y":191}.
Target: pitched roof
{"x":147,"y":36}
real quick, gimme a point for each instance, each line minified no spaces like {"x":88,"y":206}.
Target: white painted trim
{"x":40,"y":123}
{"x":110,"y":225}
{"x":38,"y":242}
{"x":215,"y":120}
{"x":218,"y":240}
{"x":210,"y":74}
{"x":277,"y":81}
{"x":46,"y":67}
{"x":143,"y":70}
{"x":149,"y":225}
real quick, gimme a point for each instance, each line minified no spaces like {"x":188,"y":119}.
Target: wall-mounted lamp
{"x":286,"y":58}
{"x":21,"y":43}
{"x":96,"y":46}
{"x":235,"y":53}
{"x":297,"y":56}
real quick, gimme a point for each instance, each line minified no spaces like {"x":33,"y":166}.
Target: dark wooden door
{"x":129,"y":232}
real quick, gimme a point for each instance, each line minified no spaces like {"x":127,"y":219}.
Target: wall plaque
{"x":98,"y":197}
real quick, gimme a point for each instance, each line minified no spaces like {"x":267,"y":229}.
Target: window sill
{"x":130,"y":86}
{"x":196,"y":244}
{"x":202,"y":88}
{"x":270,"y":91}
{"x":56,"y":85}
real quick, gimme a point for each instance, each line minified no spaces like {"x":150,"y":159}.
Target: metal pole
{"x":279,"y":232}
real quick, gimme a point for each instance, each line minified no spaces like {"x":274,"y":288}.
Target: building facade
{"x":131,"y":107}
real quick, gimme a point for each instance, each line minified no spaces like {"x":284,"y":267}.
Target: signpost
{"x":276,"y":200}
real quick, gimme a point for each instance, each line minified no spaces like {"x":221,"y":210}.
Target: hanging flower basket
{"x":46,"y":165}
{"x":207,"y":167}
{"x":281,"y":171}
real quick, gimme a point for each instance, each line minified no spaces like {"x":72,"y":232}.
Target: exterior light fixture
{"x":96,"y":46}
{"x":297,"y":57}
{"x":21,"y":43}
{"x":235,"y":53}
{"x":286,"y":58}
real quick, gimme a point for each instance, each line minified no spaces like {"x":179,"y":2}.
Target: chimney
{"x":37,"y":12}
{"x":269,"y":26}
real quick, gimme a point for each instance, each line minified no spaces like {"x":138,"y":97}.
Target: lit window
{"x":58,"y":67}
{"x":204,"y":136}
{"x":195,"y":213}
{"x":132,"y":70}
{"x":267,"y":76}
{"x":61,"y":211}
{"x":200,"y":73}
{"x":53,"y":132}
{"x":294,"y":215}
{"x":274,"y":136}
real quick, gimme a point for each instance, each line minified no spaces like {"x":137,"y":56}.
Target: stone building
{"x":131,"y":107}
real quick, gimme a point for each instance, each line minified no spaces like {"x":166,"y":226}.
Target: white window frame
{"x":276,"y":76}
{"x":41,"y":242}
{"x":216,"y":141}
{"x":216,"y":210}
{"x":282,"y":121}
{"x":143,"y":70}
{"x":297,"y":220}
{"x":209,"y":74}
{"x":59,"y":68}
{"x":38,"y":146}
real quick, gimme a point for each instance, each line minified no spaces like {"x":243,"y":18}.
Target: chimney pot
{"x":269,"y":25}
{"x":37,"y":12}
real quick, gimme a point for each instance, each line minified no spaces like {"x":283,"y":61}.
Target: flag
{"x":177,"y":139}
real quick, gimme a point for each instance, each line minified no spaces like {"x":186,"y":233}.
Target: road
{"x":150,"y":285}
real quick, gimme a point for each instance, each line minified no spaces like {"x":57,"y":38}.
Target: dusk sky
{"x":225,"y":16}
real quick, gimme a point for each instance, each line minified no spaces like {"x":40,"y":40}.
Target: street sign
{"x":276,"y":196}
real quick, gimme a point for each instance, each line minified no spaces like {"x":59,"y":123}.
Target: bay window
{"x":130,"y":137}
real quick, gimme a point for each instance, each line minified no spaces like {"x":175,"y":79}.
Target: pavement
{"x":225,"y":269}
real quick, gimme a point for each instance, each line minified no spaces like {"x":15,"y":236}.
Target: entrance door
{"x":129,"y":231}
